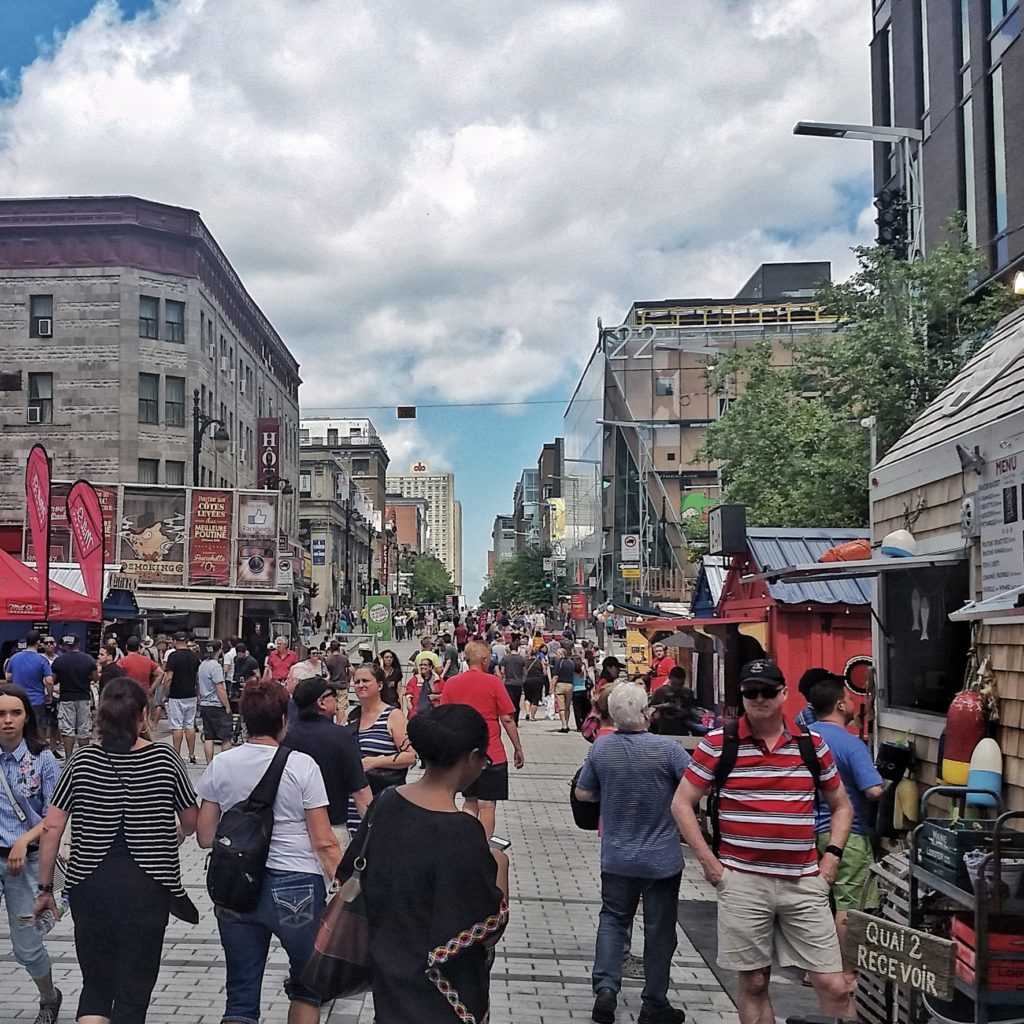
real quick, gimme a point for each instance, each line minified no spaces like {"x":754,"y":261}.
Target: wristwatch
{"x":836,"y":851}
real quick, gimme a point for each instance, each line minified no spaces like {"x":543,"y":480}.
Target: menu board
{"x":999,"y":509}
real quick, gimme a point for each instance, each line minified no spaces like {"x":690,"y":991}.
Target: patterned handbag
{"x":340,"y":964}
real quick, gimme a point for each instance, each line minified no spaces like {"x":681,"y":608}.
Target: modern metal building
{"x":638,"y":417}
{"x":955,"y":72}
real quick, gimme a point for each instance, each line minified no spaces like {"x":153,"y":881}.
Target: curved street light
{"x":200,"y":424}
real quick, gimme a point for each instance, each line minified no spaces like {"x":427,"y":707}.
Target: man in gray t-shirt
{"x":512,"y":670}
{"x":214,"y":708}
{"x":634,"y":776}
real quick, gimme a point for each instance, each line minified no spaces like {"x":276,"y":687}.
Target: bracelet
{"x":42,"y":890}
{"x":836,"y":851}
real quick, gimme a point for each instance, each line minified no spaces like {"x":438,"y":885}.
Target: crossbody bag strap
{"x":19,"y":811}
{"x":265,"y":791}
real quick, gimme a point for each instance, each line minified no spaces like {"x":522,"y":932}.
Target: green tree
{"x":430,"y":580}
{"x":520,"y":580}
{"x":791,"y":446}
{"x":792,"y":461}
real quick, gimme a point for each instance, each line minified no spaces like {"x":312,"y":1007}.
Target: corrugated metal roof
{"x":986,"y":390}
{"x":774,"y":548}
{"x":716,"y":568}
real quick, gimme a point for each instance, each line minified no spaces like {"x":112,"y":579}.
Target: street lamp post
{"x":908,"y":141}
{"x":200,"y":424}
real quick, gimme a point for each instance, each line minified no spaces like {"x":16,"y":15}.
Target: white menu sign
{"x":999,"y":511}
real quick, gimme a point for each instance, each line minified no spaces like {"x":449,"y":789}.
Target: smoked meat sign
{"x":911,"y":958}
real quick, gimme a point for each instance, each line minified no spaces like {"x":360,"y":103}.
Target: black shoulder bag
{"x":238,"y":858}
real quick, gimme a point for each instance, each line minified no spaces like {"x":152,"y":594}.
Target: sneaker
{"x":191,"y":760}
{"x":604,"y":1007}
{"x":48,"y":1011}
{"x":633,"y":967}
{"x":660,"y":1015}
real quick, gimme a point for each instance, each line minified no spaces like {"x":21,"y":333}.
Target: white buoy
{"x":986,"y":772}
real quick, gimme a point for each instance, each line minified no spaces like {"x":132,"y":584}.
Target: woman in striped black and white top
{"x":133,"y":804}
{"x":382,"y":732}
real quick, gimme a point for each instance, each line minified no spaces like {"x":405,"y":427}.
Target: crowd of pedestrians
{"x":343,"y":728}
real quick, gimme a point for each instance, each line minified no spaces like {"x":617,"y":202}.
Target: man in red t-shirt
{"x":771,"y":888}
{"x":280,"y":661}
{"x":143,"y":669}
{"x":661,"y":665}
{"x":484,"y":692}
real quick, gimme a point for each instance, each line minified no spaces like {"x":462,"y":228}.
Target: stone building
{"x":114,"y":312}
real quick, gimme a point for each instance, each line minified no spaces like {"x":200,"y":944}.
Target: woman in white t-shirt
{"x":303,"y":849}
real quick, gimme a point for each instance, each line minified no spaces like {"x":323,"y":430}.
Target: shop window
{"x":149,"y":317}
{"x":40,"y":324}
{"x":925,"y":653}
{"x":174,"y":315}
{"x":40,"y":398}
{"x":174,"y":401}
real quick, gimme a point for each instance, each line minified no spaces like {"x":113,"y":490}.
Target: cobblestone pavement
{"x":542,"y":971}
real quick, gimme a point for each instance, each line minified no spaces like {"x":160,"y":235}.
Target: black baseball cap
{"x":310,"y":690}
{"x":762,"y":671}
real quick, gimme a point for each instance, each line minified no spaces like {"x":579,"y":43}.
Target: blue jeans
{"x":620,"y":895}
{"x":19,"y":893}
{"x":291,"y":905}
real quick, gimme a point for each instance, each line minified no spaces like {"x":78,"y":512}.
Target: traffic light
{"x":892,"y":221}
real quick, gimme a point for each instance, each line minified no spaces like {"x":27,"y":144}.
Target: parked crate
{"x":941,"y":848}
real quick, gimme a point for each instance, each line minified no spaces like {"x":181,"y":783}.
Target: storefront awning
{"x":655,"y":625}
{"x":1009,"y":604}
{"x":850,"y":570}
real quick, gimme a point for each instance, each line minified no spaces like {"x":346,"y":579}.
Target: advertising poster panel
{"x":209,"y":548}
{"x":256,"y":550}
{"x":152,"y":534}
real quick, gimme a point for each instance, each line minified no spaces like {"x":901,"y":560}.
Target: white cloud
{"x":408,"y":187}
{"x":417,"y":180}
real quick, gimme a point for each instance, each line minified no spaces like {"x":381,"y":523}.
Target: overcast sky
{"x":434,"y":201}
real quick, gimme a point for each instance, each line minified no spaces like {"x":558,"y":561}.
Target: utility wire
{"x":435,"y":405}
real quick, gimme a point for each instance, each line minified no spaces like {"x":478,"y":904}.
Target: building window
{"x":361,"y":466}
{"x":332,"y":436}
{"x":174,"y":317}
{"x":1000,"y":9}
{"x":40,"y":323}
{"x":305,"y":485}
{"x":149,"y":471}
{"x":174,"y":473}
{"x":149,"y":398}
{"x":970,"y":198}
{"x":149,"y":317}
{"x":304,"y":435}
{"x":664,"y":387}
{"x":174,"y":402}
{"x":723,"y":405}
{"x":40,"y":398}
{"x":999,"y":164}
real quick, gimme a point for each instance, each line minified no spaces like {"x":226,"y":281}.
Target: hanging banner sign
{"x":85,"y":518}
{"x":37,"y":503}
{"x":153,"y":535}
{"x":268,"y":435}
{"x":209,"y":549}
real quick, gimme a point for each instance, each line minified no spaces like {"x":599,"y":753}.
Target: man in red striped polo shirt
{"x":772,"y":891}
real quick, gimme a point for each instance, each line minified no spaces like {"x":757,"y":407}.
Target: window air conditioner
{"x":231,"y":375}
{"x":223,"y":364}
{"x":35,"y":414}
{"x":241,"y":387}
{"x":211,"y":350}
{"x":44,"y":327}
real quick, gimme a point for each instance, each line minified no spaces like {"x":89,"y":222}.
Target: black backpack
{"x":238,"y":857}
{"x":727,"y":762}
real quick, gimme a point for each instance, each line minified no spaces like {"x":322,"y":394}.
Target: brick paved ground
{"x":542,"y":971}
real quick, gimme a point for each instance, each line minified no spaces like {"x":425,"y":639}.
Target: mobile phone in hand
{"x":499,"y":843}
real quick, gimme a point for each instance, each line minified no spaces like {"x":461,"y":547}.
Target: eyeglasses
{"x":764,"y":692}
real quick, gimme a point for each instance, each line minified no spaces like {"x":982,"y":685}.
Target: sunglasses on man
{"x":765,"y":692}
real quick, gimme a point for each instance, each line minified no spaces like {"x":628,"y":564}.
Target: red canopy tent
{"x":20,"y":600}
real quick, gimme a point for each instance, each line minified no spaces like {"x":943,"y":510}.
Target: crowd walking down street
{"x":546,"y":922}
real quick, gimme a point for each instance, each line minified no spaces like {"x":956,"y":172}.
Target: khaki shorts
{"x":563,"y":694}
{"x":764,"y":920}
{"x":850,"y":892}
{"x":74,"y":718}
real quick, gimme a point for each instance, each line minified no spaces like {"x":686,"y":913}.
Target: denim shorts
{"x":290,"y":908}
